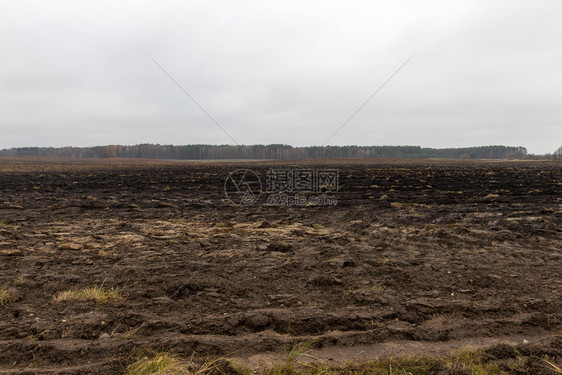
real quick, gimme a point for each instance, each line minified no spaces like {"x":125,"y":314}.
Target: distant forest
{"x":273,"y":151}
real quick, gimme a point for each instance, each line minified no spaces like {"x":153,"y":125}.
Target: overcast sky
{"x":484,"y":72}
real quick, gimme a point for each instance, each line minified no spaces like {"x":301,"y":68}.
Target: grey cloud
{"x":77,"y":73}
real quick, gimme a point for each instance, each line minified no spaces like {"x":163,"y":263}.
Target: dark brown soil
{"x":420,"y":251}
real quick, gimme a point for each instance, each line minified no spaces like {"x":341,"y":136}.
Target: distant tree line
{"x":273,"y":151}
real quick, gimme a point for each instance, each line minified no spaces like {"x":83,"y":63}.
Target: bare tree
{"x":557,"y":155}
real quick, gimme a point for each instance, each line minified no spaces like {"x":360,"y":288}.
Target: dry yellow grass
{"x":160,"y":363}
{"x":555,"y":368}
{"x":464,"y":361}
{"x":167,"y":363}
{"x":99,"y":294}
{"x":6,"y":297}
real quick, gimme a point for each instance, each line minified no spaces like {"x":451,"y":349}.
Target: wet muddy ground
{"x":413,"y":252}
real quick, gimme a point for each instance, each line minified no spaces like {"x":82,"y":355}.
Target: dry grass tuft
{"x":99,"y":294}
{"x":167,"y":363}
{"x":160,"y":363}
{"x":6,"y":297}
